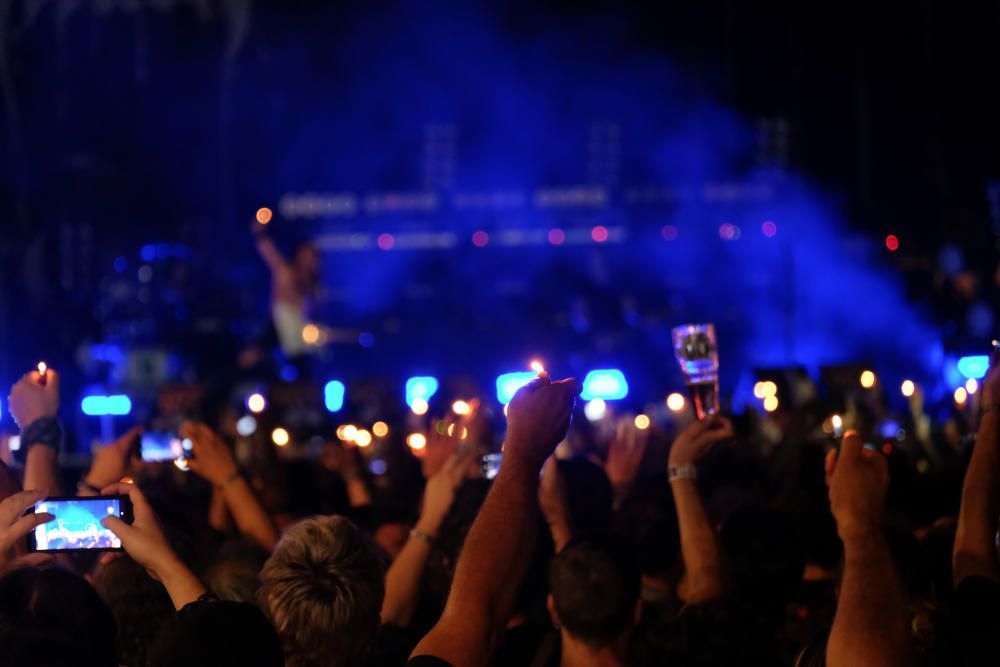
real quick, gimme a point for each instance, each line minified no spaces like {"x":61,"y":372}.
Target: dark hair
{"x":139,"y":604}
{"x":589,"y":496}
{"x":50,"y":617}
{"x":766,"y":558}
{"x":218,"y":633}
{"x":233,"y":572}
{"x":595,"y":586}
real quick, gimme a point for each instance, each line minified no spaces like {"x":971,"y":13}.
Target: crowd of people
{"x":607,"y":541}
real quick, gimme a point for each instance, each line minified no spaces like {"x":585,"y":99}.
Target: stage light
{"x":868,"y":379}
{"x":971,"y":386}
{"x":386,"y":241}
{"x":420,"y":387}
{"x":246,"y":425}
{"x":263,"y":215}
{"x":509,"y":383}
{"x":771,"y":403}
{"x":769,"y":229}
{"x":669,"y":233}
{"x":907,"y":388}
{"x":104,"y":406}
{"x":380,"y":429}
{"x":641,"y":422}
{"x":676,"y":402}
{"x":480,"y":239}
{"x":461,"y":408}
{"x":961,"y":396}
{"x":310,"y":334}
{"x":557,"y":236}
{"x":892,"y":243}
{"x":256,"y":403}
{"x":279,"y":436}
{"x":347,"y":432}
{"x":599,"y":234}
{"x":608,"y":384}
{"x":416,"y":441}
{"x":419,"y":406}
{"x":974,"y":366}
{"x":333,"y":395}
{"x":362,"y":438}
{"x":595,"y":409}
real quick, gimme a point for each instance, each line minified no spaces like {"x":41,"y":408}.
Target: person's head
{"x":594,"y":586}
{"x":306,"y":264}
{"x":233,"y":572}
{"x":322,"y":589}
{"x":50,"y":617}
{"x":139,"y":604}
{"x":218,"y":633}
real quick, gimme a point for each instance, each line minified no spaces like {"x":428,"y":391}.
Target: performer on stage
{"x":294,"y":286}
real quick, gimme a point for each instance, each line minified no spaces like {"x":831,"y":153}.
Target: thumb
{"x":121,"y":529}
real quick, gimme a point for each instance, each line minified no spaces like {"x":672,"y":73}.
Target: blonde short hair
{"x":322,"y":588}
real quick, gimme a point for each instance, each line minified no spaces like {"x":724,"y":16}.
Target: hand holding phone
{"x":76,"y":523}
{"x":15,"y":525}
{"x":159,"y":446}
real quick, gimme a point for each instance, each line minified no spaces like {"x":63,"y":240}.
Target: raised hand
{"x":698,"y":439}
{"x":859,"y":480}
{"x":440,"y":491}
{"x":212,"y":459}
{"x":625,"y":455}
{"x":31,"y":400}
{"x":113,"y":461}
{"x":15,"y":525}
{"x":537,"y":420}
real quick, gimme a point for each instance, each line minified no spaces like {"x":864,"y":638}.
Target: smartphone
{"x":77,"y":524}
{"x":491,"y":465}
{"x":164,"y":446}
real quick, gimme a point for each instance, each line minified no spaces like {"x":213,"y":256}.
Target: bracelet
{"x":684,"y":471}
{"x":422,"y":536}
{"x":84,"y":485}
{"x":46,"y":431}
{"x":232,"y":478}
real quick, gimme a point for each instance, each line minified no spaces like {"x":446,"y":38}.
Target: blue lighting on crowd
{"x":421,"y":386}
{"x":101,"y":406}
{"x":608,"y":384}
{"x":974,"y":366}
{"x":333,"y":395}
{"x":509,"y":383}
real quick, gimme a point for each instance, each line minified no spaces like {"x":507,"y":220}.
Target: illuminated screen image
{"x":164,"y":447}
{"x":77,"y":524}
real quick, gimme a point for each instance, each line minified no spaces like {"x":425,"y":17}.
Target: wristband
{"x":422,"y":536}
{"x":684,"y":471}
{"x":46,"y":431}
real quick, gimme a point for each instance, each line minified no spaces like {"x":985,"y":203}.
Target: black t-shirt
{"x":976,"y":608}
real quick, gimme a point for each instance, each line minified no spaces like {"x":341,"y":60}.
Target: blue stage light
{"x":421,"y":386}
{"x":509,"y":383}
{"x":101,"y":406}
{"x":974,"y":366}
{"x":333,"y":395}
{"x":608,"y":384}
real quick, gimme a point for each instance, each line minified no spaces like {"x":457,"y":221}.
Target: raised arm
{"x":703,"y":574}
{"x":870,"y":626}
{"x":144,"y":541}
{"x":35,"y":406}
{"x":499,"y":545}
{"x":268,"y":250}
{"x":213,"y":461}
{"x":975,"y":550}
{"x":402,"y":581}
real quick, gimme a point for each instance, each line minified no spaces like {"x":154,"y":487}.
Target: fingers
{"x":25,"y":525}
{"x":851,"y":447}
{"x":110,"y":557}
{"x":121,"y":529}
{"x":141,"y":509}
{"x":571,"y":386}
{"x":14,"y":506}
{"x":33,"y":560}
{"x":51,"y":381}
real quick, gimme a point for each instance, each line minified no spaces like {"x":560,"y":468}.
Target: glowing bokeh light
{"x":868,"y":379}
{"x":461,"y":408}
{"x":264,"y":215}
{"x":892,"y":243}
{"x":416,"y":441}
{"x":380,"y":429}
{"x":256,"y":403}
{"x":961,"y":395}
{"x":362,"y":438}
{"x":771,"y":403}
{"x":595,"y":409}
{"x":907,"y":388}
{"x":279,"y":436}
{"x":641,"y":422}
{"x":676,"y":402}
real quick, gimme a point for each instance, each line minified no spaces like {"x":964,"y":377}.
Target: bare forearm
{"x":870,"y":626}
{"x":358,"y":494}
{"x":218,"y":513}
{"x":402,"y":582}
{"x":699,"y":544}
{"x":975,"y":551}
{"x":41,"y":470}
{"x":181,"y":584}
{"x":249,"y":514}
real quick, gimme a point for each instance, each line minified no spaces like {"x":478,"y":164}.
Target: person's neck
{"x":575,"y":653}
